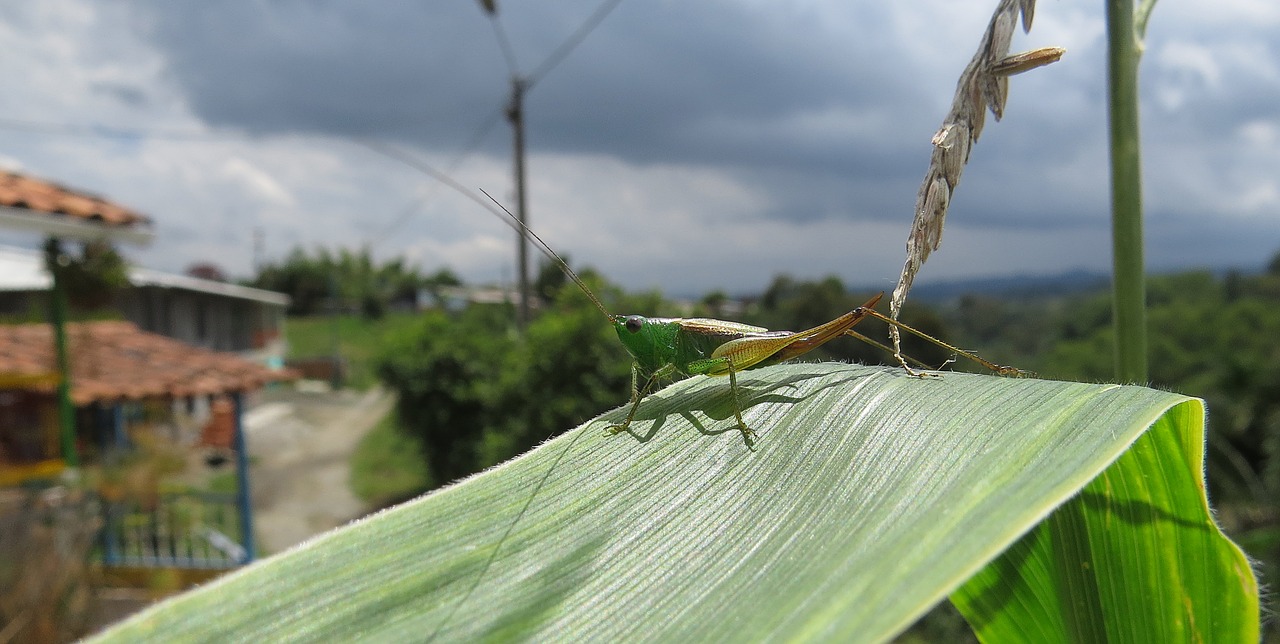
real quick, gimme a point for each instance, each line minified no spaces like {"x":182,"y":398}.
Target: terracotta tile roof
{"x":40,"y":196}
{"x":114,"y":360}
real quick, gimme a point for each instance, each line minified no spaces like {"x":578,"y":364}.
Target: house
{"x":133,"y":393}
{"x":143,"y":407}
{"x":201,"y":312}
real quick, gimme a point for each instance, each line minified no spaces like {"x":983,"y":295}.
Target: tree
{"x":342,"y":280}
{"x":92,"y":278}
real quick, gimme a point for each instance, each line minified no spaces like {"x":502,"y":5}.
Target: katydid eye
{"x":633,"y":323}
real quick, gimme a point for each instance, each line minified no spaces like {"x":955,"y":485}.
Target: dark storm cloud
{"x":298,"y":67}
{"x":830,"y":118}
{"x":708,"y":83}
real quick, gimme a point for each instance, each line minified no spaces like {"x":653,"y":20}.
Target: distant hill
{"x":1015,"y":286}
{"x":1039,"y":286}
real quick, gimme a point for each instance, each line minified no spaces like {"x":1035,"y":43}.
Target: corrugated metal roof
{"x":149,"y":277}
{"x":22,"y":269}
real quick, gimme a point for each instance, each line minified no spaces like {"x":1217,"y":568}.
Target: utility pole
{"x":515,"y":114}
{"x":259,"y":249}
{"x":520,"y":83}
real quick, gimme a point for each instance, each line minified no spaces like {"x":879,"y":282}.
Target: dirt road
{"x":300,"y":445}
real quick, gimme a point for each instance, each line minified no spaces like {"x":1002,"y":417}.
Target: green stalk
{"x":58,"y":322}
{"x":1128,"y":285}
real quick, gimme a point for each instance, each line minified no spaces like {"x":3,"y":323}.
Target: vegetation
{"x":472,"y":393}
{"x":91,"y":278}
{"x":388,"y":467}
{"x":357,"y":339}
{"x":347,"y":281}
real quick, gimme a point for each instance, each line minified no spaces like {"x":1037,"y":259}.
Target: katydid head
{"x":648,"y":340}
{"x":631,"y":331}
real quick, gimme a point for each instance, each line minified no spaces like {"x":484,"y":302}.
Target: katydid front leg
{"x":720,"y":365}
{"x":638,"y":394}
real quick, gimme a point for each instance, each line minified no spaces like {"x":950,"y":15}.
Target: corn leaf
{"x":869,"y":497}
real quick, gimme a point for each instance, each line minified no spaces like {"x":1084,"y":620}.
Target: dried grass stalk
{"x":983,"y":85}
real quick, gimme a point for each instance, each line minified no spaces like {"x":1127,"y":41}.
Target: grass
{"x":224,"y":482}
{"x":359,"y":340}
{"x":388,"y":466}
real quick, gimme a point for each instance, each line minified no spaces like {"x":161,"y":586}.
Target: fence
{"x":173,"y":530}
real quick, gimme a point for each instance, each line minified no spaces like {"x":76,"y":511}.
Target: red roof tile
{"x":115,"y":360}
{"x":40,"y":196}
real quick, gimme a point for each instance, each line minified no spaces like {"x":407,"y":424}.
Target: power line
{"x":504,"y":44}
{"x":118,"y":132}
{"x":403,"y":156}
{"x":183,"y":134}
{"x":412,"y":207}
{"x":515,"y":114}
{"x":572,"y":42}
{"x":176,"y":134}
{"x":186,"y":134}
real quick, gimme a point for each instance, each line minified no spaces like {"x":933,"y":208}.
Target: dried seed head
{"x":1027,"y":61}
{"x":983,"y":85}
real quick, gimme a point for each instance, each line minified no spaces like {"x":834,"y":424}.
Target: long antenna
{"x":500,"y":212}
{"x":521,"y":228}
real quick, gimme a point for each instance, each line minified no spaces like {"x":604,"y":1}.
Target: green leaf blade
{"x":1170,"y":574}
{"x":872,"y":496}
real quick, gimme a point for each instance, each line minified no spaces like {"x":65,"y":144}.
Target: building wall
{"x":247,"y":327}
{"x":250,"y":328}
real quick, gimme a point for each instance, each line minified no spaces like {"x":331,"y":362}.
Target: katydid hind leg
{"x":747,"y":433}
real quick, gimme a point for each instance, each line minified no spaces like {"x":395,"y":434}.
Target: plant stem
{"x":1128,"y":286}
{"x":58,"y":323}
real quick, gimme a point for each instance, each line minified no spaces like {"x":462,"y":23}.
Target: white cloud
{"x":1189,"y":69}
{"x":1260,"y":134}
{"x":257,"y":182}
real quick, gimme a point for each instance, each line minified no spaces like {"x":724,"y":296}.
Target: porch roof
{"x":31,"y":203}
{"x":113,"y":360}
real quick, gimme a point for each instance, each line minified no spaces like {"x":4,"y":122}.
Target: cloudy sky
{"x":682,"y":145}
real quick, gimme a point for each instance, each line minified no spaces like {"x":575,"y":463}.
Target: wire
{"x":403,"y":156}
{"x":110,"y":131}
{"x":503,"y":43}
{"x":572,"y":42}
{"x":551,"y":62}
{"x":412,"y":207}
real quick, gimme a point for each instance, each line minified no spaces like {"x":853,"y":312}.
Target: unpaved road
{"x":301,"y":444}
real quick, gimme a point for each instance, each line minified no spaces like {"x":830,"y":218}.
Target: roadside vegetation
{"x":388,"y":467}
{"x":357,"y":339}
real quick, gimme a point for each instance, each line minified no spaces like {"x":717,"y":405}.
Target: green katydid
{"x":662,"y":348}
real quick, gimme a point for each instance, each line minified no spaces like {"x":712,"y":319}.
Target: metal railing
{"x":173,"y":530}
